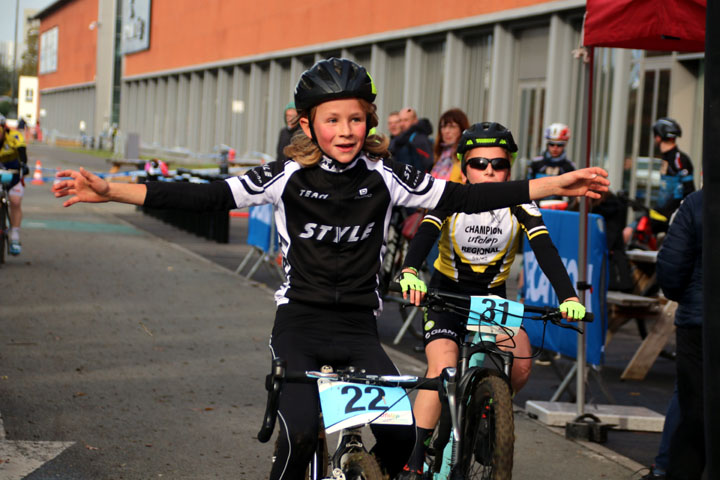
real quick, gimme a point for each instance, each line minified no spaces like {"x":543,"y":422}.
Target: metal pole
{"x":14,"y":70}
{"x":582,"y":235}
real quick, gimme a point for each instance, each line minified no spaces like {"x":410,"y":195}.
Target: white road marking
{"x":19,"y":458}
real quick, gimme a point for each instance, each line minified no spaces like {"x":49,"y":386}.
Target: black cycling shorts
{"x":450,"y":325}
{"x":12,"y":165}
{"x":308,"y":337}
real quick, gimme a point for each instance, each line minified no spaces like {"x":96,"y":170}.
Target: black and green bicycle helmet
{"x":333,"y":79}
{"x":486,"y":134}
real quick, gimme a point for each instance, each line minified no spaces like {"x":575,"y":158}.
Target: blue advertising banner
{"x":563,"y":227}
{"x":260,"y":220}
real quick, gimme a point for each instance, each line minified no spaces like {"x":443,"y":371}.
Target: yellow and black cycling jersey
{"x":479,"y":249}
{"x":12,"y":147}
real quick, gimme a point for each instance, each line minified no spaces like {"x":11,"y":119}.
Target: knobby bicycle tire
{"x":362,"y":466}
{"x":488,"y":432}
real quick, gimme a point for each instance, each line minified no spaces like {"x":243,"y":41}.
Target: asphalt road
{"x":125,"y":356}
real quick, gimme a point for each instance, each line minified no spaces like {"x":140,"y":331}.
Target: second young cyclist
{"x":332,"y":207}
{"x":476,"y":253}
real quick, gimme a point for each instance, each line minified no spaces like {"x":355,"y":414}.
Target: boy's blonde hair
{"x":307,"y":153}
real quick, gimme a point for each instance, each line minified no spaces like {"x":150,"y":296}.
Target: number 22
{"x":356,"y":392}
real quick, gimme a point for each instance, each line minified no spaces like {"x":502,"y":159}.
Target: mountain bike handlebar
{"x":553,"y":315}
{"x":279,"y":375}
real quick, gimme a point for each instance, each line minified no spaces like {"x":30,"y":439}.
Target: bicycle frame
{"x":470,"y":372}
{"x":5,"y":214}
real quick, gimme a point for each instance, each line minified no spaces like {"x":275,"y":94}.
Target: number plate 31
{"x":347,"y":405}
{"x":495,"y":315}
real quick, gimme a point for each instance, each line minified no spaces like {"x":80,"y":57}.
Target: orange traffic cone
{"x":37,"y":174}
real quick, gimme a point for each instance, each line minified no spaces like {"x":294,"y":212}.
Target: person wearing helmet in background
{"x":553,"y":160}
{"x":13,"y":156}
{"x":676,"y":171}
{"x":332,"y":205}
{"x":286,"y":132}
{"x":476,"y":253}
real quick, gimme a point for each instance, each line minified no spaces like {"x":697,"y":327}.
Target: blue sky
{"x":7,"y":19}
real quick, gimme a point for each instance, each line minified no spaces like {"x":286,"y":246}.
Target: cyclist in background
{"x":333,"y":203}
{"x":476,"y":253}
{"x":553,"y":160}
{"x":13,"y":156}
{"x":676,"y":171}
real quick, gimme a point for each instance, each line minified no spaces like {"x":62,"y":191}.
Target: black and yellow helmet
{"x":486,"y":134}
{"x":333,"y":79}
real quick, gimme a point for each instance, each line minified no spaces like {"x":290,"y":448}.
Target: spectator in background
{"x":553,"y":160}
{"x":676,"y":171}
{"x":393,"y":123}
{"x":22,"y":125}
{"x":286,"y":133}
{"x":413,"y":146}
{"x":680,"y":275}
{"x":452,"y":124}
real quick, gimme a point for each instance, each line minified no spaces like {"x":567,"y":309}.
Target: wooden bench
{"x":652,"y":345}
{"x":626,"y":306}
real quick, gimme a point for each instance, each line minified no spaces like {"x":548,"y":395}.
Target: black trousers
{"x":687,"y":446}
{"x":308,"y":337}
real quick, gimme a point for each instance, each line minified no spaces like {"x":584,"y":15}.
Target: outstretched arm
{"x":587,"y":182}
{"x":85,"y":186}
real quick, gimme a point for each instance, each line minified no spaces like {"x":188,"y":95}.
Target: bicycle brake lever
{"x":567,"y":325}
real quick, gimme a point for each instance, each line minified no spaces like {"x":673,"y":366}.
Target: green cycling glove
{"x":410,"y":281}
{"x":574,"y":310}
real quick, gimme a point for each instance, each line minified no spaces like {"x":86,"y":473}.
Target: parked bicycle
{"x":649,"y":228}
{"x":474,"y":438}
{"x":6,"y":177}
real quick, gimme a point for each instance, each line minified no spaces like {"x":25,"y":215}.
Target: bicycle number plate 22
{"x":347,"y":405}
{"x":495,"y":315}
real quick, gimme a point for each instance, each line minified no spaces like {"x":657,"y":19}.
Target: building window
{"x":49,"y":50}
{"x":29,"y":95}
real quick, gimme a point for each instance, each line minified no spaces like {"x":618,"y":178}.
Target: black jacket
{"x":413,"y":146}
{"x":679,"y":262}
{"x":284,"y":139}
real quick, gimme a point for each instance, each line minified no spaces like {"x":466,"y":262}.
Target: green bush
{"x":5,"y":108}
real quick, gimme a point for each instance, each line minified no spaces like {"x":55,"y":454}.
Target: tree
{"x":30,"y":57}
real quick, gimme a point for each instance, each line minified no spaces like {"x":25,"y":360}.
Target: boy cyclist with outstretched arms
{"x":333,"y":203}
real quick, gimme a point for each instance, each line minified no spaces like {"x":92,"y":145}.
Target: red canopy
{"x":668,"y":25}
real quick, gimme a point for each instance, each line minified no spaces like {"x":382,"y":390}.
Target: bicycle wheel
{"x":488,"y":432}
{"x":416,"y":326}
{"x":319,"y":464}
{"x":362,"y":466}
{"x":5,"y":230}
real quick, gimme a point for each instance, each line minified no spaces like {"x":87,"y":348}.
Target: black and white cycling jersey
{"x":332,"y":218}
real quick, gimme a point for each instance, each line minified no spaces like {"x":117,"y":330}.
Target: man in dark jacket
{"x":413,"y":145}
{"x":286,"y":133}
{"x":680,"y":275}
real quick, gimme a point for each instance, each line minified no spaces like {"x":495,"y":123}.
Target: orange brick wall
{"x":188,"y":32}
{"x":76,"y":44}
